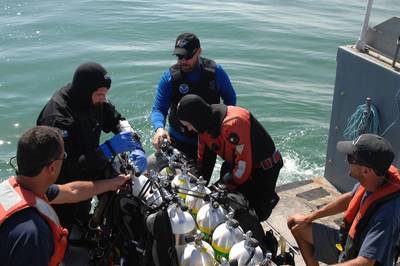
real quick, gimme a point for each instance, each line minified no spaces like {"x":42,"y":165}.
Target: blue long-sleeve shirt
{"x":163,"y":97}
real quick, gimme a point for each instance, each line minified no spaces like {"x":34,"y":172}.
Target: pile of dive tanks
{"x":201,"y":228}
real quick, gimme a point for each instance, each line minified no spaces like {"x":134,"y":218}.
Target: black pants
{"x":260,"y":190}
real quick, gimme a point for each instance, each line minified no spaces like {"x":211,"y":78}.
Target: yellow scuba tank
{"x":247,"y":251}
{"x":209,"y":217}
{"x":197,"y":253}
{"x":225,"y":236}
{"x":195,"y":203}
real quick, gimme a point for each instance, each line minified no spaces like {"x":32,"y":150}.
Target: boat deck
{"x":301,"y":197}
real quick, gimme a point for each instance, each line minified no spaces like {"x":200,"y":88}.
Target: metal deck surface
{"x":301,"y":197}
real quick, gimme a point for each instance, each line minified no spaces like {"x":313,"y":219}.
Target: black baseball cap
{"x":370,"y":150}
{"x":186,"y":44}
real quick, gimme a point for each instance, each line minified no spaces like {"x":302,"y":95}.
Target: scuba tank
{"x":140,"y":186}
{"x":225,"y":236}
{"x":196,"y":201}
{"x":247,"y":252}
{"x":153,"y":197}
{"x":182,"y":225}
{"x":197,"y":253}
{"x":209,"y":217}
{"x":181,"y":182}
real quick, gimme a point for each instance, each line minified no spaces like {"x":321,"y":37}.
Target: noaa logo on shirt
{"x":64,"y":133}
{"x":183,"y":88}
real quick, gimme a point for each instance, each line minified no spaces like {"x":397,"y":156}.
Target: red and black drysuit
{"x":251,"y":162}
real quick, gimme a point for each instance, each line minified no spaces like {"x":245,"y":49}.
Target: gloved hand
{"x":139,"y":160}
{"x":229,"y":182}
{"x":120,"y":142}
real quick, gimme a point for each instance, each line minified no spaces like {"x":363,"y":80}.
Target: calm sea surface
{"x":280,"y":55}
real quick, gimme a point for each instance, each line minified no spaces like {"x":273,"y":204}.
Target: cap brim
{"x":180,"y":51}
{"x":346,"y":147}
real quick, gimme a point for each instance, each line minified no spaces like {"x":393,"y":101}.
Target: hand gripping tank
{"x":209,"y":217}
{"x":197,"y":253}
{"x":225,"y":236}
{"x":182,"y":225}
{"x":247,"y":252}
{"x":181,"y":182}
{"x":196,"y":201}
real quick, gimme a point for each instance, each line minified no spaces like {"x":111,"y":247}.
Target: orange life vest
{"x":14,"y":198}
{"x":355,"y":215}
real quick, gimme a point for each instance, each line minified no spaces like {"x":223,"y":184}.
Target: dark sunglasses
{"x":186,"y":57}
{"x":352,"y":160}
{"x":13,"y":163}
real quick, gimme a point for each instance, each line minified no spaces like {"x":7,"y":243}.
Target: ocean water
{"x":279,"y":54}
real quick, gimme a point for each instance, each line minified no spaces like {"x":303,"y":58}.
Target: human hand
{"x":298,"y":221}
{"x":139,"y":159}
{"x":229,"y":182}
{"x":159,"y":137}
{"x":118,"y":182}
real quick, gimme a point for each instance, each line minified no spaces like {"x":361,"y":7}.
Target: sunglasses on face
{"x":352,"y":160}
{"x":13,"y":163}
{"x":186,"y":57}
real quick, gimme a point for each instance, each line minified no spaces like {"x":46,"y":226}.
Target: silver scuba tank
{"x":196,"y":201}
{"x":140,"y":186}
{"x":181,"y":182}
{"x":225,"y":236}
{"x":209,"y":217}
{"x":182,"y":225}
{"x":197,"y":253}
{"x":145,"y":190}
{"x":247,"y":252}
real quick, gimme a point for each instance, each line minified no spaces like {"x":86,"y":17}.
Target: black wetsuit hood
{"x":88,"y":77}
{"x":203,"y":116}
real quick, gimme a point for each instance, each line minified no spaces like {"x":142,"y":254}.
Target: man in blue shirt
{"x":371,"y":225}
{"x":28,"y":224}
{"x":192,"y":74}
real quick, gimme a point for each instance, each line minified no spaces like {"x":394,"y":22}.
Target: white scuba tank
{"x":154,"y":199}
{"x":182,"y":225}
{"x":195,"y":203}
{"x":140,"y":186}
{"x":181,"y":182}
{"x":247,"y":252}
{"x":225,"y":236}
{"x":209,"y":217}
{"x":142,"y":189}
{"x":197,"y":253}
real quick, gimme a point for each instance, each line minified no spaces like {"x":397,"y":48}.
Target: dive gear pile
{"x":170,"y":218}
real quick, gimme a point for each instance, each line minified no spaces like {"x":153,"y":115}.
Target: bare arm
{"x":359,"y":261}
{"x":337,"y":206}
{"x":82,"y":190}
